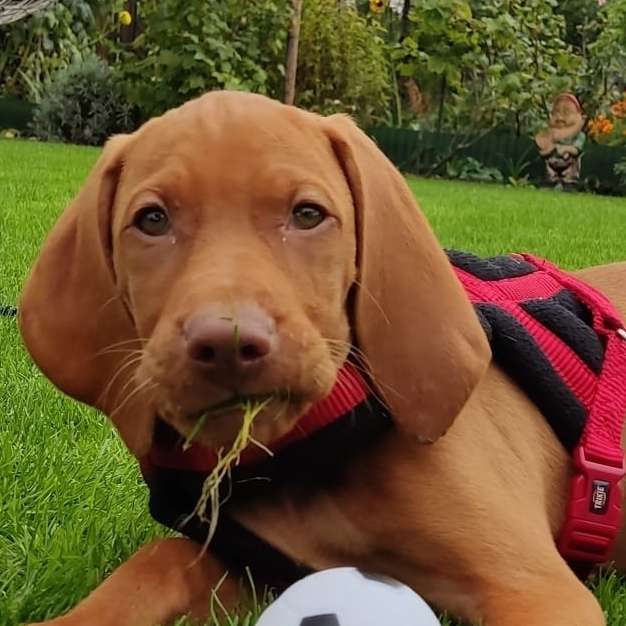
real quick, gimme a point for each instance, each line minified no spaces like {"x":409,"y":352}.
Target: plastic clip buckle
{"x":594,"y":513}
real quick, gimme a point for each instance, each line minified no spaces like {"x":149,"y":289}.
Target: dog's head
{"x":237,"y":247}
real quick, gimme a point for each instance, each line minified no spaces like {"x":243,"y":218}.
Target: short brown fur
{"x":467,"y":520}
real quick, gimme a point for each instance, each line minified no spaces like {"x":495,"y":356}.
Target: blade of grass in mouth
{"x":228,"y":405}
{"x":210,"y":488}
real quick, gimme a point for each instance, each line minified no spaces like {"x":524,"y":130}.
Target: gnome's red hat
{"x":571,"y":98}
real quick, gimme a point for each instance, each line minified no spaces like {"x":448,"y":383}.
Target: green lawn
{"x":72,"y":505}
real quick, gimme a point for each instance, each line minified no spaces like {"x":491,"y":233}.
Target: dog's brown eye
{"x":152,"y":221}
{"x":307,"y":216}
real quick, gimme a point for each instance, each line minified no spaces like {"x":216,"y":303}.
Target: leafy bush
{"x":605,"y":76}
{"x":343,"y":64}
{"x":83,"y":104}
{"x":189,"y":48}
{"x":34,"y":49}
{"x":486,"y":63}
{"x":468,"y":168}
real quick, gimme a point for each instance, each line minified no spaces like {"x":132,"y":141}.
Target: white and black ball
{"x":348,"y":597}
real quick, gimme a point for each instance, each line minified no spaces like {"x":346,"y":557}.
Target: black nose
{"x":234,"y":343}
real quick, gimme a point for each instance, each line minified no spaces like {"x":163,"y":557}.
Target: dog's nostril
{"x":252,"y":351}
{"x":206,"y":354}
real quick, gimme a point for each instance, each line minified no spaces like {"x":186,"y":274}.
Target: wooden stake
{"x":293,"y":40}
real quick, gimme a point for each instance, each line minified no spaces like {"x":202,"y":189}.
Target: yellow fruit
{"x":125,"y":18}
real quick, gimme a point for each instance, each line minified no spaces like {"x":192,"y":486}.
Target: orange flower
{"x":377,"y":6}
{"x":619,"y":109}
{"x":600,"y":126}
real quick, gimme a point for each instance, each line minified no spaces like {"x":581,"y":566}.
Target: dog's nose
{"x":229,"y":342}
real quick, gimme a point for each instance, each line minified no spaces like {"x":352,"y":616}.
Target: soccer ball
{"x":348,"y":597}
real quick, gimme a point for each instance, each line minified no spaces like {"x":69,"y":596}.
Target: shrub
{"x":468,"y":168}
{"x":83,"y":104}
{"x":343,"y":62}
{"x":32,"y":50}
{"x":189,"y":48}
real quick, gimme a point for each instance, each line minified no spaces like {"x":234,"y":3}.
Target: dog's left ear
{"x":72,"y":318}
{"x":412,"y":319}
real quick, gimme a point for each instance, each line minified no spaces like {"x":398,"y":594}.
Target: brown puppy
{"x":237,"y":210}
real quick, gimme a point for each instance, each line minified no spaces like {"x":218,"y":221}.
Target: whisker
{"x":283,"y":407}
{"x":117,"y":296}
{"x":360,"y":362}
{"x":128,"y":362}
{"x":132,"y":394}
{"x":127,"y":384}
{"x":120,"y":351}
{"x":369,"y":381}
{"x":377,"y":304}
{"x":118,"y":344}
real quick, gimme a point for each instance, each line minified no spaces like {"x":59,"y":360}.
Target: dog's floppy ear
{"x":72,"y":319}
{"x":411,"y":318}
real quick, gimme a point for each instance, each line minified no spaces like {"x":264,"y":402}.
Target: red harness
{"x":594,"y":513}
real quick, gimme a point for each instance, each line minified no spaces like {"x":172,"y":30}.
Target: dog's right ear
{"x":412,"y":319}
{"x":71,"y":315}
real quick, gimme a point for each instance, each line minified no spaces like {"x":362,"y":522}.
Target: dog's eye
{"x":153,"y":221}
{"x":307,"y":216}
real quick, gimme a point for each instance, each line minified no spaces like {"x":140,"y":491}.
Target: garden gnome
{"x":561,"y":144}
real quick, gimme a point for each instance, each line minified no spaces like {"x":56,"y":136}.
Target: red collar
{"x":349,"y":391}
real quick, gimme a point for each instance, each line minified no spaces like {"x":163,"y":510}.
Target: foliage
{"x":83,"y":104}
{"x":487,"y":62}
{"x":188,"y":48}
{"x":516,"y":169}
{"x":469,"y":168}
{"x":343,"y":64}
{"x":605,"y":78}
{"x":33,"y":49}
{"x":582,"y":22}
{"x":440,"y":40}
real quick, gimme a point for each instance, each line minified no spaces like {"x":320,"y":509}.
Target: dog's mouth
{"x":237,"y":401}
{"x":268,"y":416}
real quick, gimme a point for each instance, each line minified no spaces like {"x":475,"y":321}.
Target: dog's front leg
{"x":553,"y":598}
{"x":162,"y":581}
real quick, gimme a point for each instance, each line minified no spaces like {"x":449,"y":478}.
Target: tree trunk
{"x":129,"y":33}
{"x":293,"y":40}
{"x":404,"y":20}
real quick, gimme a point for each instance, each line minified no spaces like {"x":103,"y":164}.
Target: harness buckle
{"x":594,"y":512}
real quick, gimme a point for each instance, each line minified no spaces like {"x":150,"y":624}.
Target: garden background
{"x":453,"y":88}
{"x":448,"y":88}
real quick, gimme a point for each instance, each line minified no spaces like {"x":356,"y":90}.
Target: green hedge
{"x":418,"y":152}
{"x":15,"y":113}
